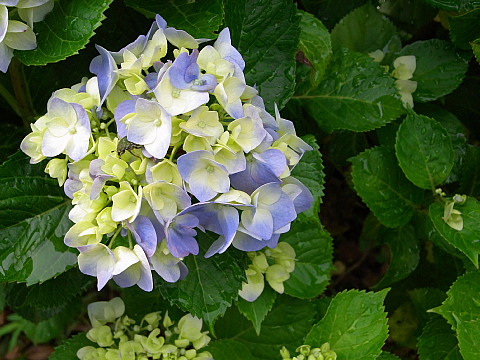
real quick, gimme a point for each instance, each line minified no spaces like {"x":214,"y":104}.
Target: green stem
{"x":22,"y":92}
{"x":10,"y":99}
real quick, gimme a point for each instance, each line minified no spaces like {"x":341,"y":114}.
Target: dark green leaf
{"x":227,"y":349}
{"x":315,"y":44}
{"x":201,"y":18}
{"x":468,"y":333}
{"x":455,"y":5}
{"x":66,"y":30}
{"x":11,"y":138}
{"x":470,"y":178}
{"x":438,"y":341}
{"x":476,"y":48}
{"x":465,"y":28}
{"x":266,"y":33}
{"x":423,"y":299}
{"x":465,"y":240}
{"x":403,"y":324}
{"x":439,"y":69}
{"x":355,"y":325}
{"x":211,"y":285}
{"x":365,"y":30}
{"x":257,"y":311}
{"x":33,"y":221}
{"x":310,"y":172}
{"x":387,"y":356}
{"x":346,"y":144}
{"x":332,"y":11}
{"x":287,"y":324}
{"x":462,"y":302}
{"x":68,"y":349}
{"x":383,"y":187}
{"x":314,"y":252}
{"x":356,"y":94}
{"x":424,"y":151}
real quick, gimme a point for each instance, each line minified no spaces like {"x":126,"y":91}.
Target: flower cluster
{"x":16,"y":35}
{"x":305,"y":352}
{"x":157,"y":149}
{"x":404,"y":67}
{"x":118,"y":337}
{"x":274,"y":265}
{"x":452,"y":217}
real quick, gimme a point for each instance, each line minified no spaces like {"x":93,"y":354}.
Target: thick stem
{"x":22,"y":92}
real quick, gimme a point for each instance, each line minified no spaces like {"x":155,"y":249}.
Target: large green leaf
{"x":287,"y":324}
{"x":257,"y":310}
{"x":199,"y":18}
{"x":211,"y":285}
{"x":314,"y":253}
{"x":66,"y":30}
{"x":439,"y":71}
{"x":470,"y":174}
{"x":356,"y":94}
{"x":227,"y":349}
{"x":438,"y":341}
{"x":365,"y":30}
{"x":465,"y":28}
{"x":68,"y":349}
{"x":461,"y":304}
{"x":387,"y":356}
{"x":266,"y":34}
{"x":455,"y":5}
{"x":468,"y":333}
{"x":424,"y":151}
{"x":355,"y":325}
{"x":315,"y":44}
{"x":465,"y":240}
{"x":383,"y":187}
{"x":33,"y":221}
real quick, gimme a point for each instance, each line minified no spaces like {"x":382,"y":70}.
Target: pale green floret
{"x":105,"y":222}
{"x":404,"y":67}
{"x":255,"y":284}
{"x":57,"y":169}
{"x":126,"y":203}
{"x":101,"y":335}
{"x":167,"y":171}
{"x":103,"y":312}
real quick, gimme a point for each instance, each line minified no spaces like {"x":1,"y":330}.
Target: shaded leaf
{"x":69,"y":347}
{"x":387,"y":356}
{"x":465,"y":28}
{"x":227,"y":349}
{"x":455,"y":5}
{"x":468,"y":333}
{"x":470,"y":174}
{"x":346,"y":144}
{"x":257,"y":310}
{"x":438,"y":341}
{"x":423,"y":299}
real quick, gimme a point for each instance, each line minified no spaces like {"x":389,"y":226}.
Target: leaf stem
{"x":10,"y":99}
{"x":22,"y":92}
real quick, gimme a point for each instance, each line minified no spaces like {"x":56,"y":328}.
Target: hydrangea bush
{"x":153,"y":154}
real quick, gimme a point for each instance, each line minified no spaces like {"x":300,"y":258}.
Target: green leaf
{"x":211,"y":284}
{"x":66,"y":30}
{"x":332,"y":11}
{"x":438,"y":341}
{"x":470,"y":174}
{"x":346,"y":144}
{"x":315,"y":44}
{"x":455,"y":5}
{"x":404,"y":253}
{"x":201,"y":19}
{"x":310,"y":172}
{"x":227,"y":349}
{"x":287,"y":324}
{"x":440,"y":70}
{"x":387,"y":356}
{"x":69,"y":347}
{"x":266,"y":33}
{"x":465,"y":28}
{"x":424,"y":151}
{"x":257,"y":310}
{"x":403,"y":324}
{"x":356,"y":94}
{"x":314,"y":253}
{"x":33,"y":221}
{"x":383,"y":187}
{"x":355,"y":325}
{"x":476,"y":48}
{"x":365,"y":30}
{"x":465,"y":240}
{"x":462,"y":302}
{"x":11,"y":138}
{"x":468,"y":333}
{"x":423,"y":299}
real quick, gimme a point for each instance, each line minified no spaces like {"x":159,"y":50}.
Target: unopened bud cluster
{"x":273,"y":265}
{"x":452,"y":217}
{"x":306,"y":352}
{"x":156,"y":337}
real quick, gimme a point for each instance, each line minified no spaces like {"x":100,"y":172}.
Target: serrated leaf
{"x":356,"y":94}
{"x":465,"y":240}
{"x":310,"y":172}
{"x":462,"y":301}
{"x":227,"y":349}
{"x":287,"y":324}
{"x":69,"y":347}
{"x":315,"y":44}
{"x":468,"y":333}
{"x":439,"y":71}
{"x":470,"y":174}
{"x":266,"y":33}
{"x":465,"y":28}
{"x":314,"y":253}
{"x":383,"y":187}
{"x":257,"y":310}
{"x":404,"y":253}
{"x":438,"y":341}
{"x":211,"y":285}
{"x":455,"y":5}
{"x":199,"y":18}
{"x":364,"y":30}
{"x":66,"y":30}
{"x":424,"y":151}
{"x":355,"y":325}
{"x":33,"y":221}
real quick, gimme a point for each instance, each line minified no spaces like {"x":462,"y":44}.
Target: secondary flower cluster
{"x":157,"y":149}
{"x":305,"y":352}
{"x":274,"y":265}
{"x":118,"y":337}
{"x":16,"y":35}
